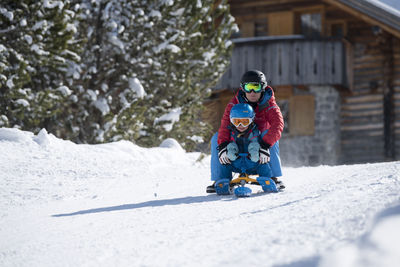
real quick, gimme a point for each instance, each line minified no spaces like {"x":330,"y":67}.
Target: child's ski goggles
{"x":248,"y":87}
{"x":243,"y":121}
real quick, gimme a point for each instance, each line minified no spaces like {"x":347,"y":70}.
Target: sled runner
{"x":237,"y":186}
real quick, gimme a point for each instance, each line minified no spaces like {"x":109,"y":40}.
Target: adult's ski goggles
{"x":248,"y":87}
{"x":243,"y":121}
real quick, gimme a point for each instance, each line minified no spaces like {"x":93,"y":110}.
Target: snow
{"x":117,"y":42}
{"x":118,"y":204}
{"x":173,"y":48}
{"x":10,"y":83}
{"x":23,"y":23}
{"x":388,"y":5}
{"x":22,"y":102}
{"x":393,"y":3}
{"x":392,"y":6}
{"x":208,"y":55}
{"x":38,"y":50}
{"x":52,"y":4}
{"x":172,"y":117}
{"x":64,"y":90}
{"x":378,"y":247}
{"x":28,"y":39}
{"x":171,"y":143}
{"x":156,"y":14}
{"x":136,"y":86}
{"x":71,"y":28}
{"x":178,"y":12}
{"x":42,"y":24}
{"x":102,"y":105}
{"x":9,"y":15}
{"x":197,"y":139}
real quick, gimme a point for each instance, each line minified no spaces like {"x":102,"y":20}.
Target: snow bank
{"x":15,"y":135}
{"x":380,"y":246}
{"x":171,"y":143}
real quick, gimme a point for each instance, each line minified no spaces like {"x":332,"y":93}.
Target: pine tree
{"x":198,"y":35}
{"x":105,"y":70}
{"x":35,"y":51}
{"x":175,"y":50}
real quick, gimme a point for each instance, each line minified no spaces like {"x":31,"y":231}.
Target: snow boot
{"x":268,"y":185}
{"x":223,"y":187}
{"x":279,"y":184}
{"x":211,"y":188}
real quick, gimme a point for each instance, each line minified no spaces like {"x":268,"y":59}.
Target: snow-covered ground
{"x":118,"y":204}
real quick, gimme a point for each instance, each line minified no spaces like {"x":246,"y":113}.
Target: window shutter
{"x":281,"y":23}
{"x":302,"y":115}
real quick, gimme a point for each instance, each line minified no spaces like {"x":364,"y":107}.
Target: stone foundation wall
{"x":323,"y":148}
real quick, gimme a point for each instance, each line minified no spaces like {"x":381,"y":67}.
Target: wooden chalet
{"x":335,"y":69}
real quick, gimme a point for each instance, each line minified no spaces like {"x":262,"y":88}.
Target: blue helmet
{"x":242,"y":111}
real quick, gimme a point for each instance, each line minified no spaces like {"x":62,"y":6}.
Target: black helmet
{"x":254,"y":76}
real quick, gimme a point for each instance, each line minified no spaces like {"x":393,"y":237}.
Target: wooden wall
{"x":396,"y":89}
{"x":367,"y":130}
{"x":215,"y":107}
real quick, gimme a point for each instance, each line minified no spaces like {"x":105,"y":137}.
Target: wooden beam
{"x":241,"y":8}
{"x":247,"y":3}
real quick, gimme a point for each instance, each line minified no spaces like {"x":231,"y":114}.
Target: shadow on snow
{"x":152,"y":203}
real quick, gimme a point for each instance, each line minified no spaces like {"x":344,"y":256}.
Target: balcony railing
{"x":288,"y":60}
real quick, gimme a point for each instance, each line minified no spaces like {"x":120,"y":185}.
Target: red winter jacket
{"x":268,"y":116}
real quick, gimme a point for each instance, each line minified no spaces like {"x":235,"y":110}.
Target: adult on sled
{"x":255,"y":92}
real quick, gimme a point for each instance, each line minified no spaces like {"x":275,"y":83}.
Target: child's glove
{"x":264,"y":153}
{"x":254,"y":151}
{"x":222,"y":154}
{"x":232,"y":151}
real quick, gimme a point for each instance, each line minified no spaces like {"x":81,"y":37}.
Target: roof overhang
{"x":372,"y":12}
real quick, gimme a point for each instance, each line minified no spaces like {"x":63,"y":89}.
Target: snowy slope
{"x":118,"y":204}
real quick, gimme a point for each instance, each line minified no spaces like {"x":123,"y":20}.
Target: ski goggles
{"x":243,"y":121}
{"x":248,"y":87}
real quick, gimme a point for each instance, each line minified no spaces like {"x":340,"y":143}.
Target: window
{"x":337,"y":28}
{"x":247,"y":29}
{"x":261,"y":27}
{"x":311,"y":24}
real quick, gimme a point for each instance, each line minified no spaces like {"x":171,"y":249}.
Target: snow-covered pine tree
{"x":174,"y":49}
{"x":34,"y":53}
{"x":107,"y":82}
{"x":192,"y":51}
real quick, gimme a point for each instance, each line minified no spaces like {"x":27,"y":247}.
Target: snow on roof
{"x":395,"y":4}
{"x":386,"y":12}
{"x":391,"y":6}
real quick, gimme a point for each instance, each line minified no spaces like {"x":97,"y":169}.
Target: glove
{"x":232,"y":151}
{"x":264,"y":153}
{"x":222,"y":153}
{"x":254,"y":151}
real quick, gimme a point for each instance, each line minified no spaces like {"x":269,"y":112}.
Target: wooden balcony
{"x":288,"y":60}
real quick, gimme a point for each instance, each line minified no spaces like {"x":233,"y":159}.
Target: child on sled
{"x":245,"y":152}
